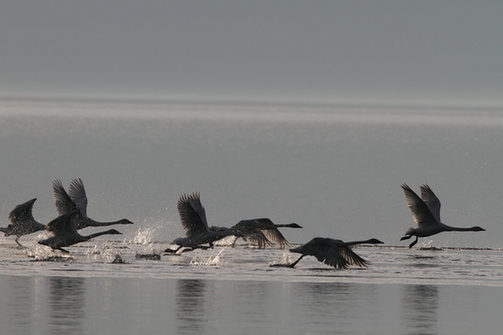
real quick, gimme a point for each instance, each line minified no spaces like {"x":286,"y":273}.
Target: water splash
{"x":107,"y":251}
{"x":286,"y":260}
{"x":149,"y":253}
{"x":210,"y":261}
{"x":144,"y":235}
{"x":43,"y":253}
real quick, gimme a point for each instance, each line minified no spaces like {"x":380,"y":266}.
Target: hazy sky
{"x":342,"y":51}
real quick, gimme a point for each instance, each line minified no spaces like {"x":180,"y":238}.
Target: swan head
{"x":294,"y":225}
{"x":477,"y":228}
{"x":375,"y":241}
{"x":113,"y":232}
{"x":125,"y":221}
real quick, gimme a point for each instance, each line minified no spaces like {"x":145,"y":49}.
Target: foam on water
{"x":446,"y":266}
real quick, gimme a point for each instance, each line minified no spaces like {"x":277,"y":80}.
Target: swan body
{"x":22,"y":221}
{"x":65,"y":234}
{"x":193,"y":217}
{"x":426,"y":213}
{"x":332,"y":252}
{"x":76,"y":199}
{"x":260,"y":231}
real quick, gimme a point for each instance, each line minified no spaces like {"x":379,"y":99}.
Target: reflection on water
{"x":70,"y":305}
{"x":420,"y":308}
{"x":347,"y":303}
{"x":66,"y":304}
{"x":22,"y":308}
{"x":190,"y":303}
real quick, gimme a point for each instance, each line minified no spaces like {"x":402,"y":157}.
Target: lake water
{"x":335,"y":170}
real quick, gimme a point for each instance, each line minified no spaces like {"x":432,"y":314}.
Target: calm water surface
{"x":337,"y":172}
{"x":235,"y":291}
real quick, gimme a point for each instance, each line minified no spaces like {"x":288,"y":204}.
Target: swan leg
{"x":17,"y":238}
{"x":413,"y":243}
{"x":63,"y":250}
{"x":233,"y":244}
{"x":295,"y":263}
{"x":171,"y":251}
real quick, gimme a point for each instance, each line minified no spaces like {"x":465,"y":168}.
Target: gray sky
{"x":328,"y":51}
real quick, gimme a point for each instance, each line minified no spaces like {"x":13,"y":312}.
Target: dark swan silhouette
{"x":426,"y":213}
{"x":76,"y":199}
{"x":333,"y":252}
{"x":65,"y":234}
{"x":193,"y":217}
{"x":22,"y":221}
{"x":259,"y":231}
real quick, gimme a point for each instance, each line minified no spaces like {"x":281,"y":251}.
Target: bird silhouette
{"x":193,"y":218}
{"x":426,"y":213}
{"x":260,"y":231}
{"x":22,"y":221}
{"x":335,"y":253}
{"x":65,"y":234}
{"x":76,"y":199}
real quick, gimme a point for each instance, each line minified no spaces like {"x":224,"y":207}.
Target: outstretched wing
{"x":431,"y":200}
{"x":275,"y":235}
{"x":64,"y":204}
{"x":420,"y":211}
{"x":330,"y":254}
{"x":22,"y":213}
{"x":352,"y":258}
{"x":77,"y":193}
{"x":192,"y":214}
{"x":259,"y":239}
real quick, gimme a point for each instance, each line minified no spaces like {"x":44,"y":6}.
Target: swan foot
{"x":413,"y":243}
{"x":281,"y":265}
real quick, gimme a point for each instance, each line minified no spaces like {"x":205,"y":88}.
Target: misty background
{"x":412,"y":52}
{"x":253,"y":105}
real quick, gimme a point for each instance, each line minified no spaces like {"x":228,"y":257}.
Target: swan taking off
{"x":193,"y":217}
{"x":426,"y":212}
{"x":22,"y":221}
{"x":76,"y":199}
{"x":65,"y":234}
{"x":333,"y":252}
{"x":260,"y":231}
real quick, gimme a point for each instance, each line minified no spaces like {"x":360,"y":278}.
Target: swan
{"x":76,"y":199}
{"x":193,"y":217}
{"x":65,"y":234}
{"x":22,"y":221}
{"x":426,"y":213}
{"x":333,"y":252}
{"x":260,"y":231}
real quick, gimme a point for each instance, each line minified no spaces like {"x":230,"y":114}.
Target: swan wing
{"x":431,"y":200}
{"x":275,"y":235}
{"x":352,"y":258}
{"x":77,"y":193}
{"x":325,"y":250}
{"x":332,"y":257}
{"x":259,"y":239}
{"x":192,"y":214}
{"x":418,"y":208}
{"x":22,"y":213}
{"x":64,"y":204}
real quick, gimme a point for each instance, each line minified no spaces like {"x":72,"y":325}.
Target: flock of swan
{"x":72,"y":209}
